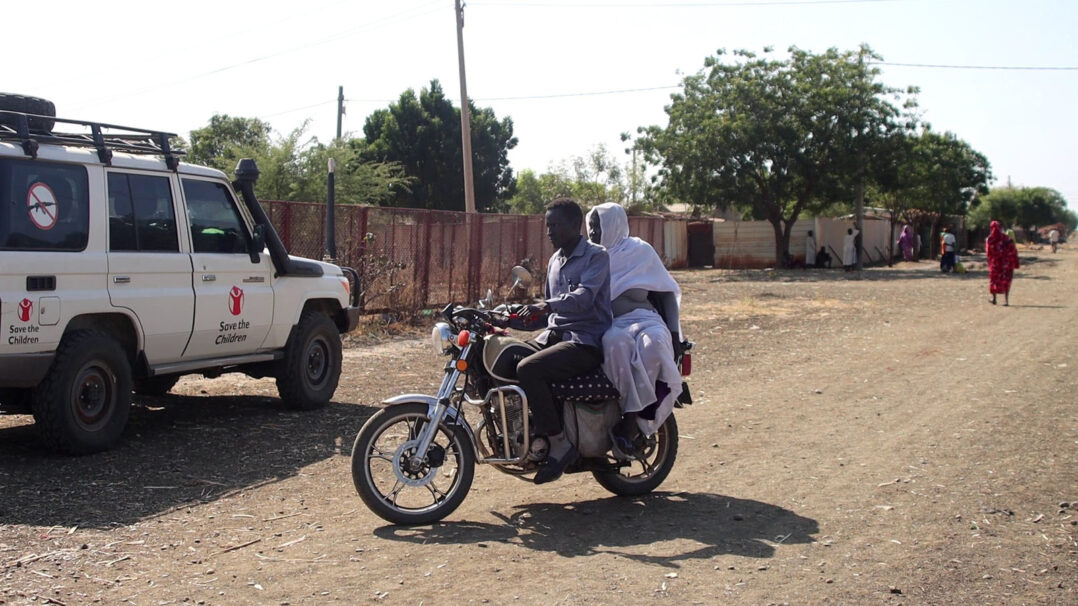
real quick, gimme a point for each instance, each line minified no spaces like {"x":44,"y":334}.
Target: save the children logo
{"x":23,"y":334}
{"x":25,"y":307}
{"x":235,"y":300}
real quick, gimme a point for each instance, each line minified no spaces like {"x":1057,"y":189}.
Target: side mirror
{"x":258,"y":243}
{"x":521,"y":276}
{"x":488,"y":301}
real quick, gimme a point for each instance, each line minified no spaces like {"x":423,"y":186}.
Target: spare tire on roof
{"x":28,"y":105}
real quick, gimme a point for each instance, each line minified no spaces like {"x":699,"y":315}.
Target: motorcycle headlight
{"x":441,"y":337}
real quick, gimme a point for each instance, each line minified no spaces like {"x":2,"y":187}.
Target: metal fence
{"x":415,"y":259}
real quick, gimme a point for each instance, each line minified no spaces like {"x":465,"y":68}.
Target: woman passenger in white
{"x":638,"y":350}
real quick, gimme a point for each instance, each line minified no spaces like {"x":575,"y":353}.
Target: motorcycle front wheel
{"x":649,"y":469}
{"x":399,"y":486}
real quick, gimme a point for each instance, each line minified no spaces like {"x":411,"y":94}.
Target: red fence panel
{"x":415,"y":258}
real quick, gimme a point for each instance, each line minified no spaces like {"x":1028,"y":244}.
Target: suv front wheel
{"x":83,"y":403}
{"x":311,"y":368}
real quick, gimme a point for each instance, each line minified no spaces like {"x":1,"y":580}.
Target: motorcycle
{"x":413,"y":461}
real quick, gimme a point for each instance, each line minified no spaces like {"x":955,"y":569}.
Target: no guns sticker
{"x":41,"y":202}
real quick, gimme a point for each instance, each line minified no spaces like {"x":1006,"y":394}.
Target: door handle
{"x":121,"y":279}
{"x":209,"y":278}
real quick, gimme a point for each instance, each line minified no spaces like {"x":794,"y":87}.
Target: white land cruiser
{"x":122,"y":268}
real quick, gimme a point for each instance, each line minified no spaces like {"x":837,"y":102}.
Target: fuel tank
{"x":502,"y":353}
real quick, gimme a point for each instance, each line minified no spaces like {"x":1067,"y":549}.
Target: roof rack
{"x":15,"y":126}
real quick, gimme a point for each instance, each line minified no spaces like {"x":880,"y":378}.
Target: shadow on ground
{"x":712,"y":524}
{"x":176,"y":450}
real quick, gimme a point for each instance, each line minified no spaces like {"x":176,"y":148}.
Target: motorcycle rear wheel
{"x":395,"y":488}
{"x":648,"y":470}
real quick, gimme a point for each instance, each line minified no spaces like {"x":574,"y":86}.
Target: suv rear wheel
{"x":311,"y":368}
{"x":83,"y":403}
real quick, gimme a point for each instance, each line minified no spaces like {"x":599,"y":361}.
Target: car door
{"x":147,"y":272}
{"x":233,"y":295}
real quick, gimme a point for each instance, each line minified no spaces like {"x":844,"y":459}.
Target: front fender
{"x":431,"y":402}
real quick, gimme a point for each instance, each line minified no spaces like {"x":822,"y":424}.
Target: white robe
{"x":638,"y":349}
{"x":810,"y":251}
{"x":849,"y":249}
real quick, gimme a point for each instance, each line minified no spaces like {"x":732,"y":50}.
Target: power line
{"x":587,"y":94}
{"x":744,"y":3}
{"x":1002,"y":67}
{"x":411,"y":13}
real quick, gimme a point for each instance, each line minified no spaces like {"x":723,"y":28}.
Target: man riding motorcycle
{"x":577,"y":307}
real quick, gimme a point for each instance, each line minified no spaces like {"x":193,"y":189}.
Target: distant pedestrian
{"x":849,"y":249}
{"x":1002,"y":261}
{"x":823,"y":258}
{"x":1053,"y":238}
{"x":905,"y":242}
{"x":948,"y":248}
{"x":810,"y":250}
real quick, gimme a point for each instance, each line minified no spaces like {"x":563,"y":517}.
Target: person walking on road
{"x":1002,"y":261}
{"x":1053,"y":238}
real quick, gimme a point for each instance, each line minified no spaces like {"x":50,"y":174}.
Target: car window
{"x":43,"y":205}
{"x":216,"y":223}
{"x":141,"y":214}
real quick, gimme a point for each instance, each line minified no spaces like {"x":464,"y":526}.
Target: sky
{"x":1001,"y":75}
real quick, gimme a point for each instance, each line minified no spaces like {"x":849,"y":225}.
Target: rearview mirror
{"x":521,"y":276}
{"x":258,"y":242}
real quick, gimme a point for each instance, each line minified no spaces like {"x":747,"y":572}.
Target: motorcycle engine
{"x":514,"y":424}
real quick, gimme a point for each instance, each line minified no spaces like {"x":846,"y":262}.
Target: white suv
{"x":122,"y":268}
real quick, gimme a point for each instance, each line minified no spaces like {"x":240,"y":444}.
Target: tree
{"x":943,"y":177}
{"x":422,"y":134}
{"x":216,"y":144}
{"x":928,"y":176}
{"x":1027,"y":207}
{"x":294,"y":167}
{"x":774,"y":138}
{"x":534,"y":192}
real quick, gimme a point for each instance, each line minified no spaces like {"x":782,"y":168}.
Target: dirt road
{"x":887,"y":437}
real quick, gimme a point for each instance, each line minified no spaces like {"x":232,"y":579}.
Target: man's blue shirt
{"x":578,"y":293}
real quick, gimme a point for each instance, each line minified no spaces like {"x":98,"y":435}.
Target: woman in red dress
{"x":1002,"y":261}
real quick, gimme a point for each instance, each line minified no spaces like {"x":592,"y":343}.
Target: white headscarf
{"x":633,"y":262}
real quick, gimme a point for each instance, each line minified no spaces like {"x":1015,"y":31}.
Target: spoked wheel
{"x":396,"y":482}
{"x":649,"y":469}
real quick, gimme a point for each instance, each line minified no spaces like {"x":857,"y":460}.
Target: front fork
{"x":439,"y":407}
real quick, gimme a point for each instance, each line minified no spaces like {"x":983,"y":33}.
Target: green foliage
{"x":294,"y":167}
{"x":218,"y":144}
{"x":422,"y":134}
{"x":929,"y":176}
{"x":1027,"y":207}
{"x":775,"y":137}
{"x":593,"y":179}
{"x":534,"y":192}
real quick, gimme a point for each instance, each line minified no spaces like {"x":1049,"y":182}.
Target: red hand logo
{"x":235,"y":300}
{"x":25,"y":306}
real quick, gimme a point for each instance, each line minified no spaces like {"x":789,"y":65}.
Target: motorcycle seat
{"x":592,"y":386}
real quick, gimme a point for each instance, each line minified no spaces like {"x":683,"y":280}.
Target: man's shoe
{"x":555,"y":466}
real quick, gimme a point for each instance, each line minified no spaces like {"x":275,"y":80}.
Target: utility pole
{"x":331,"y":213}
{"x":859,"y":191}
{"x":340,"y":109}
{"x":465,"y":116}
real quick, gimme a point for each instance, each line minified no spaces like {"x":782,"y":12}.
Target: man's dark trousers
{"x":556,"y":362}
